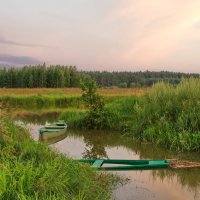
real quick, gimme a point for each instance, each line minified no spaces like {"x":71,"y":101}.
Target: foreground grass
{"x":32,"y":171}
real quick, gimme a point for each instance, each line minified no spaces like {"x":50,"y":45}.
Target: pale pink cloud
{"x":156,"y":28}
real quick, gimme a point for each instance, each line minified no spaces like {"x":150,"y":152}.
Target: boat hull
{"x":127,"y":164}
{"x":46,"y":135}
{"x":51,"y":131}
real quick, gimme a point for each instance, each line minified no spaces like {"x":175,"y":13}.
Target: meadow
{"x":34,"y":99}
{"x":68,"y":92}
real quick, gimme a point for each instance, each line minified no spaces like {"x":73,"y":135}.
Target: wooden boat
{"x":49,"y":139}
{"x":126,"y":164}
{"x":53,"y":130}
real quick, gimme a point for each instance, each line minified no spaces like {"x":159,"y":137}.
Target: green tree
{"x":94,"y":102}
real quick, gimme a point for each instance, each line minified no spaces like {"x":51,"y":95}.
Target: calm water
{"x":154,"y":184}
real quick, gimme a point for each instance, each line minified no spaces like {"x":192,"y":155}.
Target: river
{"x":165,"y":184}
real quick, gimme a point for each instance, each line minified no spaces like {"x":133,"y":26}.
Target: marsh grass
{"x":169,"y":115}
{"x":119,"y":114}
{"x":74,"y":118}
{"x":32,"y":171}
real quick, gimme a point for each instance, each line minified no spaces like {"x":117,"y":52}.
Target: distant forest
{"x":57,"y":76}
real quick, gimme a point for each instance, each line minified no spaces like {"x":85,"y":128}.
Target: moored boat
{"x":53,"y":130}
{"x":108,"y":164}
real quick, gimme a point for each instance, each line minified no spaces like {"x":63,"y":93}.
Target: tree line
{"x":137,"y":79}
{"x":57,"y":76}
{"x":40,"y":76}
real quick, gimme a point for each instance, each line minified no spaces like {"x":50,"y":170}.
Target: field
{"x":46,"y":98}
{"x":57,"y":92}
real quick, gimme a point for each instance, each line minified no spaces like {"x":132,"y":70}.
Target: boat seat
{"x":98,"y":163}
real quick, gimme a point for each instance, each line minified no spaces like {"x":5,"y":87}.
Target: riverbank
{"x":30,"y":170}
{"x":164,"y":115}
{"x":168,"y":116}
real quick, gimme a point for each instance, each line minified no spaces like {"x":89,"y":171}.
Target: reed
{"x":169,"y":116}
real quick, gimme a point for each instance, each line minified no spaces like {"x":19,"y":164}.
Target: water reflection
{"x":37,"y":118}
{"x":93,"y":146}
{"x":157,"y":184}
{"x":103,"y":144}
{"x":52,"y":140}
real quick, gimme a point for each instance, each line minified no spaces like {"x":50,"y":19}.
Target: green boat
{"x":53,"y":130}
{"x":126,"y":164}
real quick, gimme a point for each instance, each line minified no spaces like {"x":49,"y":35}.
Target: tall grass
{"x":74,"y":118}
{"x":169,"y":115}
{"x":119,"y":114}
{"x":32,"y":171}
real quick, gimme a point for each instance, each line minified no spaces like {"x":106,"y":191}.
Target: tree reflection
{"x":94,"y":147}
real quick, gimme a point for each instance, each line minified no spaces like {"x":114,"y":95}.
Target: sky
{"x":112,"y":35}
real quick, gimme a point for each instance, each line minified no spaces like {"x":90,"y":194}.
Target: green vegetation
{"x":56,"y":76}
{"x":168,"y":115}
{"x":30,"y":170}
{"x":41,"y":98}
{"x":95,"y":116}
{"x":40,"y":101}
{"x":74,"y":118}
{"x":136,"y":79}
{"x":39,"y":76}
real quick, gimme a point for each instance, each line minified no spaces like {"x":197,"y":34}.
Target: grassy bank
{"x":31,"y":171}
{"x":168,"y":115}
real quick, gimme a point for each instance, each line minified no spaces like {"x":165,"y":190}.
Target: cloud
{"x":18,"y":60}
{"x":3,"y":40}
{"x":197,"y":25}
{"x":155,"y":30}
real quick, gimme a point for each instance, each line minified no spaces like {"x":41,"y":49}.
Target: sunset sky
{"x":113,"y":35}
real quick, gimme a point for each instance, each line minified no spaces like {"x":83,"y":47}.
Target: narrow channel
{"x":162,"y":184}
